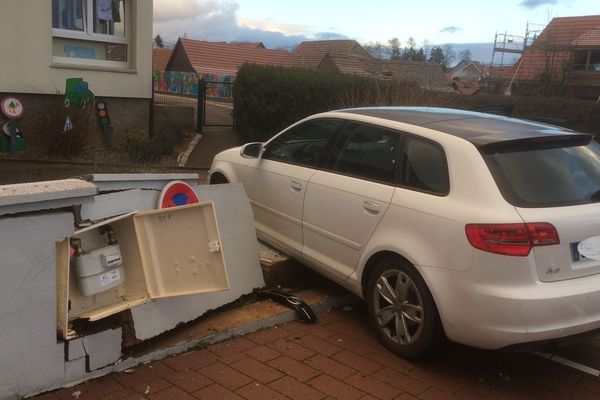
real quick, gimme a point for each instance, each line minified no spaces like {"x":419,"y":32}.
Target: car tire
{"x":401,"y":309}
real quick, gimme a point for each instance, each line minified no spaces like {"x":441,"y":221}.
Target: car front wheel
{"x":401,"y":309}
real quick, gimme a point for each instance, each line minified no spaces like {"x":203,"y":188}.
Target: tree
{"x":449,"y":54}
{"x":395,"y":52}
{"x":410,"y":51}
{"x":377,"y":50}
{"x":420,"y":56}
{"x":158,"y":41}
{"x":465,"y":55}
{"x":436,"y":55}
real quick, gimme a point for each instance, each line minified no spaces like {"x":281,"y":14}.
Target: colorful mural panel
{"x":187,"y":83}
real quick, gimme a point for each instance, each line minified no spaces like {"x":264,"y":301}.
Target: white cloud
{"x":216,"y":20}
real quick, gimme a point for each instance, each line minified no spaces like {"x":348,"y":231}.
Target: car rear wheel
{"x":401,"y":309}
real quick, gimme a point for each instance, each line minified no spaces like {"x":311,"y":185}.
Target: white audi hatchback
{"x":480,"y":227}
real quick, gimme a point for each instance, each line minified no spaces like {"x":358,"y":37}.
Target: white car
{"x":480,"y":227}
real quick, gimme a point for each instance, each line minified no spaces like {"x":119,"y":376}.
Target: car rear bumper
{"x":493,"y":315}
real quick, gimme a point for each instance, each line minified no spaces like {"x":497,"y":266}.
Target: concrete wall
{"x":27,"y":63}
{"x":33,"y":217}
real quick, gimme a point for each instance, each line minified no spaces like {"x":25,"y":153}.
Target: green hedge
{"x":268,"y":98}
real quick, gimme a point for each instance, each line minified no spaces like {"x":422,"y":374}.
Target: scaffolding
{"x":505,"y":43}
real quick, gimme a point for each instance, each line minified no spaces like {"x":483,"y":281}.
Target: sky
{"x":284,"y":23}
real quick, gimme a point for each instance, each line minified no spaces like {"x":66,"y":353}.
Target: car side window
{"x":368,"y":151}
{"x":424,"y":166}
{"x":305,"y":144}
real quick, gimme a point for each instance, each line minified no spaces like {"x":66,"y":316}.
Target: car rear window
{"x":547,"y":176}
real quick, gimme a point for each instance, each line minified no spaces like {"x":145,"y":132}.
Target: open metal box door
{"x":180,"y":249}
{"x":169,"y":252}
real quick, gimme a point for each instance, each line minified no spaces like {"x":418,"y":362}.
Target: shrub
{"x":151,"y":149}
{"x":268,"y":98}
{"x":50,"y":122}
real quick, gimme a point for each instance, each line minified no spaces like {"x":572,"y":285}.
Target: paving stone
{"x":294,"y":368}
{"x":335,"y":388}
{"x":269,"y":335}
{"x":225,"y":376}
{"x":143,"y":374}
{"x":152,"y":386}
{"x":357,"y":362}
{"x":329,"y":366}
{"x":216,"y":392}
{"x":256,"y":370}
{"x":373,"y":386}
{"x":188,"y":380}
{"x":296,"y":390}
{"x":191,"y":360}
{"x":447,"y":384}
{"x":170,"y":394}
{"x":351,"y":343}
{"x":292,"y":349}
{"x":262,"y":353}
{"x":258,"y":391}
{"x":400,"y":380}
{"x":319,"y":329}
{"x":232,"y":346}
{"x":318,"y":345}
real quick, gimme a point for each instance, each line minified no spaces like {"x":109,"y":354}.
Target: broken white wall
{"x":32,"y":359}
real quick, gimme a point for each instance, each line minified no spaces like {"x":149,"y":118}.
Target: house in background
{"x":465,"y":77}
{"x":160,"y":59}
{"x":564,"y":58}
{"x":310,"y":54}
{"x":47,"y":42}
{"x":349,"y":57}
{"x":427,"y":76}
{"x":222,"y":59}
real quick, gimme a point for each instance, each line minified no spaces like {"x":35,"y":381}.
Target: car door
{"x":345,"y":202}
{"x":276,"y":183}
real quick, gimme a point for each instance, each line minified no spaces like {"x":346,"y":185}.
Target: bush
{"x":151,"y":149}
{"x":50,"y":122}
{"x":268,"y":98}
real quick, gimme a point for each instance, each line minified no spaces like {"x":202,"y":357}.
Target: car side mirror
{"x":252,"y":150}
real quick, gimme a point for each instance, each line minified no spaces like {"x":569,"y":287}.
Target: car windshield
{"x":548,"y":177}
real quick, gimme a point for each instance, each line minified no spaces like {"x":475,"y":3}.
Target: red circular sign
{"x":12,"y":107}
{"x":177,"y":193}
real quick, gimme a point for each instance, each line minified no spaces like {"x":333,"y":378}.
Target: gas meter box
{"x":100,"y":270}
{"x":153,"y":254}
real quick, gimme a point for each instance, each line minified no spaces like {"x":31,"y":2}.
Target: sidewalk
{"x":214,"y":140}
{"x":336,"y":358}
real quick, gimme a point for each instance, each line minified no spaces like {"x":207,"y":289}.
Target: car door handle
{"x":297,"y":186}
{"x":371,"y":207}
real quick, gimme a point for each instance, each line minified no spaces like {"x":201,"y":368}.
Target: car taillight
{"x":511,"y":239}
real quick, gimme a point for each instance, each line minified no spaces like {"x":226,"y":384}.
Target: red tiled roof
{"x":226,"y":58}
{"x":427,"y":75}
{"x":551,"y":51}
{"x":567,"y":30}
{"x":160,"y":58}
{"x":310,"y":54}
{"x":346,"y":64}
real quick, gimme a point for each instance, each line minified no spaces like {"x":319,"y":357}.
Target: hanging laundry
{"x":104,"y":10}
{"x":116,"y":10}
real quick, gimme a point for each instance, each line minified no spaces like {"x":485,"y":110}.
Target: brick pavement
{"x":336,"y":358}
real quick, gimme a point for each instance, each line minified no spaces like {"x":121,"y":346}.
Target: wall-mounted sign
{"x":12,"y":107}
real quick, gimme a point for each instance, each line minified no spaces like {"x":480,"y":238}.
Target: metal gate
{"x":215,"y":104}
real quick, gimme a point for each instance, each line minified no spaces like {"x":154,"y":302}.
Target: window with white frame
{"x":91,"y":32}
